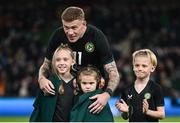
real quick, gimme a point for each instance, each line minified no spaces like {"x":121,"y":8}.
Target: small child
{"x":88,"y":80}
{"x":56,"y":108}
{"x":143,"y":100}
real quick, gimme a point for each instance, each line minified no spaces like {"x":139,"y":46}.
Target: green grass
{"x":14,"y":119}
{"x":167,"y":119}
{"x":117,"y":119}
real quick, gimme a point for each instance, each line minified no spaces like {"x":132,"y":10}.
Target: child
{"x":88,"y":79}
{"x":143,"y":100}
{"x":48,"y":108}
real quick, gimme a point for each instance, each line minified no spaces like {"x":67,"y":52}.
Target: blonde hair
{"x":61,"y":47}
{"x":148,"y":53}
{"x":73,"y":13}
{"x":54,"y":70}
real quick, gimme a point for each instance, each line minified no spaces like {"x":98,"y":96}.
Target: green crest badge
{"x":147,"y":95}
{"x":89,"y":47}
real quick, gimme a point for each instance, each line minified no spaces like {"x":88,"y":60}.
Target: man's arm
{"x":102,"y":99}
{"x":45,"y":85}
{"x":44,"y":69}
{"x":113,"y":75}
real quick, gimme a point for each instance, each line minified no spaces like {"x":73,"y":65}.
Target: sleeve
{"x":159,"y":97}
{"x":103,"y":48}
{"x":35,"y":115}
{"x":53,"y":44}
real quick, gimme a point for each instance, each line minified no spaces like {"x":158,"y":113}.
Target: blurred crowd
{"x":25,"y":28}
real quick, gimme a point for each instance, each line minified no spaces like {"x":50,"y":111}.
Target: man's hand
{"x":46,"y":86}
{"x":101,"y":101}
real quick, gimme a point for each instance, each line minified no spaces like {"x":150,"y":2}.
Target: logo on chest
{"x":129,"y":97}
{"x":89,"y":47}
{"x":147,"y":95}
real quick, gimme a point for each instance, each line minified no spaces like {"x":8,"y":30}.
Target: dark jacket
{"x":44,"y":106}
{"x":80,"y":111}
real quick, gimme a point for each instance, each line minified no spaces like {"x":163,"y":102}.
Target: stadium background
{"x":25,"y":27}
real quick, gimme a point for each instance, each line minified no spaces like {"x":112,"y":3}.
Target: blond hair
{"x":61,"y":47}
{"x":54,"y":70}
{"x":73,"y":13}
{"x":148,"y":53}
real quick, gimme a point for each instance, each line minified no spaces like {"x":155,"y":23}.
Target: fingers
{"x":100,"y":101}
{"x":48,"y":88}
{"x":145,"y":103}
{"x":92,"y":105}
{"x":145,"y":106}
{"x":94,"y":97}
{"x":51,"y":85}
{"x":96,"y":107}
{"x":99,"y":109}
{"x":118,"y":105}
{"x":123,"y":101}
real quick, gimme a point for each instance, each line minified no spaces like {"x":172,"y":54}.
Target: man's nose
{"x":140,"y":68}
{"x":70,"y":31}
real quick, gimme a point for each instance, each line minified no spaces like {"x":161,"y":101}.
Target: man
{"x":90,"y":46}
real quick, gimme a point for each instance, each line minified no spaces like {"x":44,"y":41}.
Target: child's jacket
{"x":44,"y":106}
{"x":80,"y":111}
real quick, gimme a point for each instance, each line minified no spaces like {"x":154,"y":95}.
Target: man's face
{"x":74,"y":30}
{"x":88,"y":83}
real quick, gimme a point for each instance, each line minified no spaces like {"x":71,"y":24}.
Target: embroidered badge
{"x":147,"y":95}
{"x":89,"y":47}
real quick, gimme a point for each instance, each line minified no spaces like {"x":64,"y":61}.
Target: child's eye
{"x":65,"y":59}
{"x":58,"y":59}
{"x":136,"y":65}
{"x":91,"y":83}
{"x":83,"y":83}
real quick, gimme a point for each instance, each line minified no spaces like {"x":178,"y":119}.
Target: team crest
{"x":147,"y":95}
{"x":89,"y":47}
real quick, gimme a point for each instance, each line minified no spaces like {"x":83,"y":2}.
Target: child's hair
{"x":148,"y":53}
{"x":72,"y":13}
{"x":61,"y":47}
{"x":89,"y":70}
{"x":54,"y":70}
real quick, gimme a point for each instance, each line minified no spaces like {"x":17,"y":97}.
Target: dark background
{"x":26,"y":26}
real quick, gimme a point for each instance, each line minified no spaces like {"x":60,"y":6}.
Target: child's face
{"x":88,"y":83}
{"x":142,"y":67}
{"x":63,"y":61}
